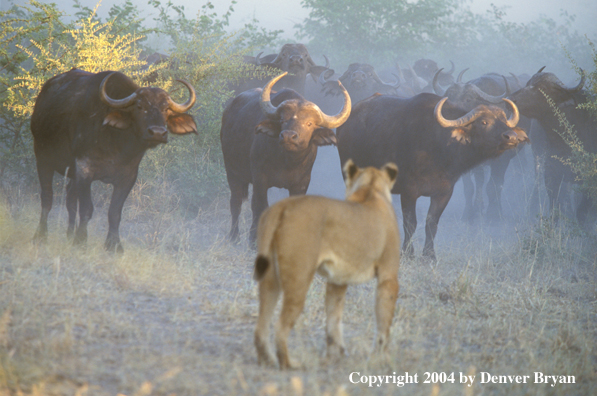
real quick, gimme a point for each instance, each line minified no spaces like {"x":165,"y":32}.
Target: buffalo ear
{"x":461,"y":136}
{"x":349,"y":170}
{"x":181,"y":124}
{"x":269,"y":128}
{"x":117,"y":119}
{"x":324,"y":137}
{"x":392,"y":170}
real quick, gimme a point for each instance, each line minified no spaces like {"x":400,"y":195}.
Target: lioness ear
{"x":392,"y":170}
{"x":350,"y":170}
{"x":117,"y":119}
{"x":269,"y":128}
{"x":460,"y":136}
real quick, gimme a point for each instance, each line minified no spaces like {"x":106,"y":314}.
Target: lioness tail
{"x":268,"y":224}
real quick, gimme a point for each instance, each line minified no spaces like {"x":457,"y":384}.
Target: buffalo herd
{"x":433,"y":126}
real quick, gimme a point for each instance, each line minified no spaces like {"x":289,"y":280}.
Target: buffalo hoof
{"x":113,"y":246}
{"x":40,"y":238}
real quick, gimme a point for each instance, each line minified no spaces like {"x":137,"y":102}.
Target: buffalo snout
{"x":157,"y":133}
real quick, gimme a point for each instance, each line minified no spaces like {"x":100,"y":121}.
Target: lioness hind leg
{"x":334,"y":306}
{"x":385,"y":303}
{"x":292,"y":306}
{"x":269,"y":290}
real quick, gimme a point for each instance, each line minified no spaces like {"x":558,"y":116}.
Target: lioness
{"x":346,"y":242}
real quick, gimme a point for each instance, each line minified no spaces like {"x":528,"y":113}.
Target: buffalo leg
{"x":409,"y":218}
{"x":436,"y":208}
{"x":258,"y":206}
{"x":334,"y":305}
{"x":119,"y":195}
{"x":71,"y":207}
{"x":469,"y":193}
{"x":83,"y":188}
{"x":478,"y":204}
{"x":495,"y":187}
{"x":238,"y":192}
{"x":46,"y":176}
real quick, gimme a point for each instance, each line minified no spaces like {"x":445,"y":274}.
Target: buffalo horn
{"x":181,"y":108}
{"x":435,"y":84}
{"x":580,"y":84}
{"x":266,"y":105}
{"x":514,"y":118}
{"x":540,"y":70}
{"x":338,"y":119}
{"x":462,"y":121}
{"x":459,"y":79}
{"x":116,"y":103}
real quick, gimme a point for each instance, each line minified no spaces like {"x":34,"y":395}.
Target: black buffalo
{"x":533,"y":103}
{"x":431,"y":150}
{"x":292,"y":58}
{"x":487,"y":89}
{"x":360,"y":80}
{"x":272,"y":143}
{"x":98,"y":127}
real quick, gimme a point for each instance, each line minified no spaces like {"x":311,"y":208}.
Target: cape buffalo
{"x":431,"y":150}
{"x":98,"y":127}
{"x":272,"y":143}
{"x":487,"y":89}
{"x":360,"y":80}
{"x":532,"y":102}
{"x":292,"y":58}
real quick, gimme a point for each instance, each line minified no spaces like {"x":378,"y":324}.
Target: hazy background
{"x":283,"y":15}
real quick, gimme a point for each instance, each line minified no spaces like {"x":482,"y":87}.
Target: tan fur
{"x":347,"y":242}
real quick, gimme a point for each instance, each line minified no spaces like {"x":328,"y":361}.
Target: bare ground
{"x":175,"y":314}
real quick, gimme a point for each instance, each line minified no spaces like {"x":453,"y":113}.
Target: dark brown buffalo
{"x":432,"y":142}
{"x":292,"y":58}
{"x":533,"y":103}
{"x":427,"y":69}
{"x":487,"y":89}
{"x":272,"y":143}
{"x":360,"y":80}
{"x":98,"y":127}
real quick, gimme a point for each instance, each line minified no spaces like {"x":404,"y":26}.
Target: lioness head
{"x":370,"y":179}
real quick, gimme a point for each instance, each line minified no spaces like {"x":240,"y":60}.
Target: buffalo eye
{"x":483,"y":122}
{"x":309,"y":124}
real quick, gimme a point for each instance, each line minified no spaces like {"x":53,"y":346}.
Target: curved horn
{"x":452,"y":69}
{"x":380,"y":81}
{"x":508,"y":91}
{"x":400,"y":74}
{"x":435,"y":84}
{"x":340,"y":118}
{"x":327,"y":62}
{"x":487,"y":97}
{"x":540,"y":70}
{"x":462,"y":121}
{"x":459,"y":79}
{"x":580,"y":84}
{"x":258,"y":58}
{"x":415,"y":76}
{"x":116,"y":103}
{"x":186,"y":106}
{"x":517,"y":80}
{"x":266,"y":105}
{"x":515,"y":117}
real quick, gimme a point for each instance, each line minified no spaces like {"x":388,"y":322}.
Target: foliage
{"x":382,"y":32}
{"x":374,"y":31}
{"x":582,"y":162}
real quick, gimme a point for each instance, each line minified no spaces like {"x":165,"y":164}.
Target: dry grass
{"x":175,"y":314}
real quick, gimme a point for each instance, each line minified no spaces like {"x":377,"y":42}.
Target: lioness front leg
{"x":385,"y":303}
{"x":334,"y":306}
